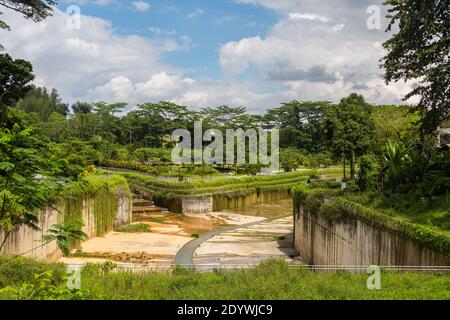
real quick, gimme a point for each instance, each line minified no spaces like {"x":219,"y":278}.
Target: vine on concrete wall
{"x":100,"y":193}
{"x":333,"y":206}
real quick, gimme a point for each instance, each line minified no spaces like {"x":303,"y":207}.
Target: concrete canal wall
{"x":27,"y":240}
{"x":354,"y":241}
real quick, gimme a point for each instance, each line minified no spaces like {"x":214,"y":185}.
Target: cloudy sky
{"x":252,"y":53}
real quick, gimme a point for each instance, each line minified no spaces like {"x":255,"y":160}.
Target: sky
{"x":252,"y":53}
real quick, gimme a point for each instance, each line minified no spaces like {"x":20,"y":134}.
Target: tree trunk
{"x":7,"y":234}
{"x":352,"y":166}
{"x":345,"y":173}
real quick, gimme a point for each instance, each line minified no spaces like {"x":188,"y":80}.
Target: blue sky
{"x":204,"y":53}
{"x":207,"y":23}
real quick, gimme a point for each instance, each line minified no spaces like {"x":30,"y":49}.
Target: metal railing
{"x":133,"y":268}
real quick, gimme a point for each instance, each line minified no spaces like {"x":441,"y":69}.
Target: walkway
{"x":241,"y":245}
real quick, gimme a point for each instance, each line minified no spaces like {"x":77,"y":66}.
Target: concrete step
{"x":143,"y":203}
{"x":152,"y":209}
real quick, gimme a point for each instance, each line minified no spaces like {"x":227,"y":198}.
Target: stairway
{"x":142,"y":206}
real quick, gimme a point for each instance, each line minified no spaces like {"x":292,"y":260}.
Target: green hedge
{"x":210,"y":187}
{"x":338,"y":207}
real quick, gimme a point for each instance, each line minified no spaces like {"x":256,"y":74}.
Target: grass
{"x":272,"y":280}
{"x":221,"y":186}
{"x":435,"y":213}
{"x":134,"y":228}
{"x":158,"y":219}
{"x":342,"y":204}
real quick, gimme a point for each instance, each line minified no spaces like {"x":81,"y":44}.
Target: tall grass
{"x":272,"y":280}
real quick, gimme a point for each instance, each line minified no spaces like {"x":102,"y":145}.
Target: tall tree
{"x":350,"y":129}
{"x":420,"y":51}
{"x":14,"y":78}
{"x":43,"y":102}
{"x":301,"y":124}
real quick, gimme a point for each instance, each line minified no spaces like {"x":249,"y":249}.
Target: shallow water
{"x":266,"y":210}
{"x":191,"y":225}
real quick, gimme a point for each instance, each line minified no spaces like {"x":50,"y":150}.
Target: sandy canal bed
{"x":250,"y":245}
{"x":158,"y":247}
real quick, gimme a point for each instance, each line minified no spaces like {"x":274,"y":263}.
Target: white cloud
{"x":160,"y":31}
{"x":75,"y":61}
{"x":196,"y":13}
{"x":314,"y":60}
{"x":302,"y":58}
{"x":308,"y":16}
{"x":141,"y":5}
{"x":224,"y":20}
{"x":338,"y":27}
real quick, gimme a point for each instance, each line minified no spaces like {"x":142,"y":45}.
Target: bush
{"x":16,"y":271}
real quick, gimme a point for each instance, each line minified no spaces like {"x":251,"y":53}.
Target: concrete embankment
{"x":101,"y":207}
{"x":359,"y":236}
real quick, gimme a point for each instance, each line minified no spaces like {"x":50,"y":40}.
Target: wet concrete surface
{"x":243,"y":236}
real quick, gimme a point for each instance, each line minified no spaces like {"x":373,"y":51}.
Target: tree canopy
{"x":420,"y":51}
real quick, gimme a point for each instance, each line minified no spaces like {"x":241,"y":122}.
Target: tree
{"x":392,"y":123}
{"x":42,"y":102}
{"x":350,"y":129}
{"x":420,"y":51}
{"x":35,"y":10}
{"x":155,"y":120}
{"x":82,"y":107}
{"x":301,"y":124}
{"x":14,"y":78}
{"x":24,"y":188}
{"x":227,"y":117}
{"x":290,"y":159}
{"x":109,"y":124}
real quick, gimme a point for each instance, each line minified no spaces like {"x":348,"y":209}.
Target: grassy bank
{"x":335,"y":204}
{"x":244,"y":185}
{"x":435,"y":213}
{"x":271,"y":280}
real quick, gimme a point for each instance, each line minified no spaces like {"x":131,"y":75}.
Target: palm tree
{"x":394,"y":157}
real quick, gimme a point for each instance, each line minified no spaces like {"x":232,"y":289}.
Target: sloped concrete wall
{"x":25,"y":239}
{"x":226,"y":202}
{"x":197,"y":205}
{"x":351,"y":241}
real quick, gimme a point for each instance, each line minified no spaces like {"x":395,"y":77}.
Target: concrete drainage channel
{"x":184,"y":256}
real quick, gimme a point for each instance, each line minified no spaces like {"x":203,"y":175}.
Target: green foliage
{"x":24,"y":188}
{"x":394,"y":123}
{"x":301,"y":124}
{"x":420,"y":51}
{"x":334,"y":205}
{"x":36,"y":10}
{"x":14,"y":78}
{"x":104,"y":192}
{"x":134,"y":228}
{"x":130,"y":165}
{"x":63,"y":233}
{"x":271,"y":280}
{"x":19,"y":270}
{"x":218,"y":186}
{"x":43,"y":103}
{"x":368,"y":176}
{"x":349,"y":129}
